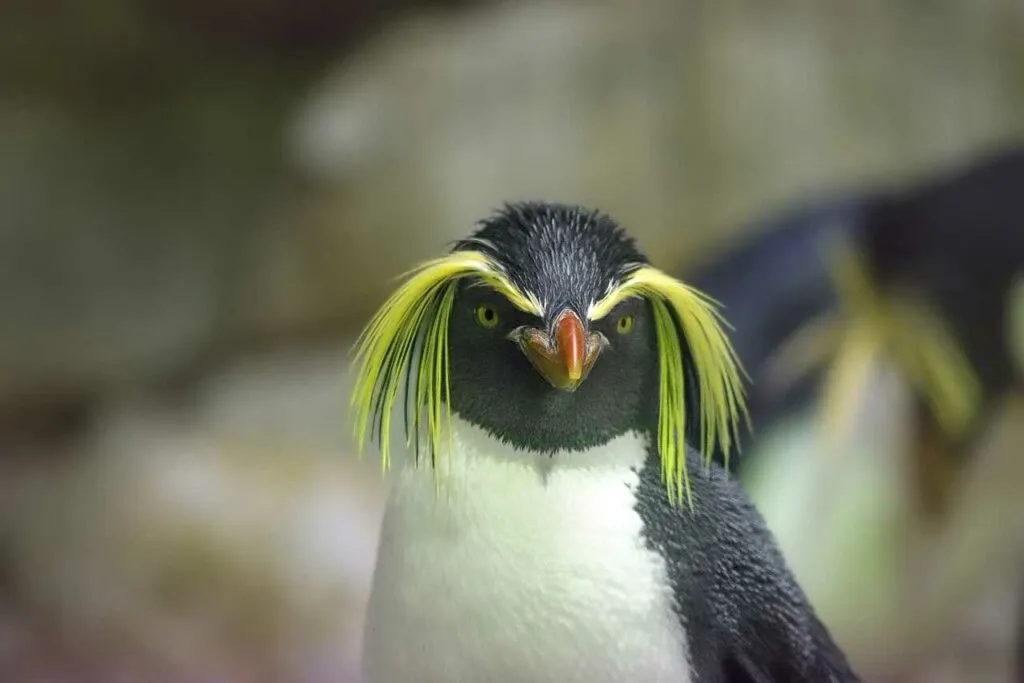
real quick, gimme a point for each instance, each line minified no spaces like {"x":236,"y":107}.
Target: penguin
{"x":558,"y":518}
{"x":953,"y":243}
{"x":923,"y":278}
{"x":771,"y":281}
{"x":938,"y":260}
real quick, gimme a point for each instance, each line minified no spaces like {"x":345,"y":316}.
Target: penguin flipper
{"x":746,"y":619}
{"x":830,"y":666}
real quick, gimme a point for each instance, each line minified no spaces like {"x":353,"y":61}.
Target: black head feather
{"x":566,"y":255}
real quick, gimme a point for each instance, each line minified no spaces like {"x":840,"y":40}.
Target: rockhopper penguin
{"x":558,"y":521}
{"x":772,"y":280}
{"x":923,"y":281}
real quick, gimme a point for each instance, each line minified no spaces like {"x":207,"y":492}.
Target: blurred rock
{"x":238,"y":529}
{"x":175,"y":196}
{"x":144,"y":158}
{"x":681,"y":119}
{"x":121,"y":239}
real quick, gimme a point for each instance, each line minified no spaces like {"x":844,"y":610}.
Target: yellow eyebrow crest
{"x":415,"y":318}
{"x":677,"y":309}
{"x":909,"y":330}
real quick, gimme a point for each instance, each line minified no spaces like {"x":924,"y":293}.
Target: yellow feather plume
{"x":415,"y":318}
{"x":912,"y":334}
{"x":678,"y":307}
{"x":876,"y":325}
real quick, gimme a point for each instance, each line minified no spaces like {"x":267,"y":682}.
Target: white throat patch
{"x":524,"y":567}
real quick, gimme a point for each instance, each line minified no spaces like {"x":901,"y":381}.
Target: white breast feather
{"x":526,"y":568}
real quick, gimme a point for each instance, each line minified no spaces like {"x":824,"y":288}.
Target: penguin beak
{"x":564,"y":358}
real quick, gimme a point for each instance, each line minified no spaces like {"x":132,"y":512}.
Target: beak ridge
{"x":573,"y":343}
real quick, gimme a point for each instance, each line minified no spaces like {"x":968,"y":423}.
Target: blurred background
{"x":201,"y":203}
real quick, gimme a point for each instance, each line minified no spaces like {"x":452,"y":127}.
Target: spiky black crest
{"x":566,"y":255}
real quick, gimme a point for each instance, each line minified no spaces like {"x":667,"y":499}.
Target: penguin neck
{"x":475,"y":448}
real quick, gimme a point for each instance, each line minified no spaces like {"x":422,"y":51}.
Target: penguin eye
{"x":486,"y":316}
{"x":624,"y":325}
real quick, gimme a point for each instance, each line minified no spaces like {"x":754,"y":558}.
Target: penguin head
{"x":548,"y":328}
{"x":556,"y":377}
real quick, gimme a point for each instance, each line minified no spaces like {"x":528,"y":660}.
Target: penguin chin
{"x":553,"y":430}
{"x":520,"y":408}
{"x":553,"y":421}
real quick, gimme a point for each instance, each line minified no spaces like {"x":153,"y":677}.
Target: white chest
{"x":524,"y":568}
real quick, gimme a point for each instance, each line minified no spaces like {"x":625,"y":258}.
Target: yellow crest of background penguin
{"x":564,"y":382}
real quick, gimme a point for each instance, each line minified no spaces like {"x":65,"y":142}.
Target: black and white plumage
{"x":550,"y":550}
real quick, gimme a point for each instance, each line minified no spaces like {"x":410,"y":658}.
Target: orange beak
{"x":565,"y":360}
{"x":572,"y":343}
